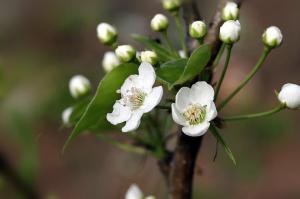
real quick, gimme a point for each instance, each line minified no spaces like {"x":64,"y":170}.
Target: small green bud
{"x":272,"y":37}
{"x":106,"y":33}
{"x":197,"y":29}
{"x":171,"y":5}
{"x":79,"y":86}
{"x":230,"y":32}
{"x":110,"y":61}
{"x":230,"y":11}
{"x":150,"y":197}
{"x":66,"y":115}
{"x":125,"y":53}
{"x":159,"y":23}
{"x":150,"y":57}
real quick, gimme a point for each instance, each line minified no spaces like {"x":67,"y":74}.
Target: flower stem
{"x":219,"y":55}
{"x":168,"y":42}
{"x":180,"y":29}
{"x":200,"y":41}
{"x":229,"y":47}
{"x":247,"y":78}
{"x":256,"y":115}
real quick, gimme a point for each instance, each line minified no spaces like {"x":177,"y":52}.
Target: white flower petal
{"x":211,"y":112}
{"x":152,"y":99}
{"x":134,"y":192}
{"x":177,"y":117}
{"x":195,"y":131}
{"x":147,"y":74}
{"x":134,"y":122}
{"x":182,"y":98}
{"x":120,"y":114}
{"x":129,"y":83}
{"x":202,"y":93}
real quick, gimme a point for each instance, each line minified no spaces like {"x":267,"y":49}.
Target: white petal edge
{"x":177,"y":117}
{"x":147,"y":74}
{"x":195,"y":131}
{"x":202,"y":93}
{"x":182,"y":98}
{"x":153,"y":99}
{"x":211,"y":112}
{"x":120,"y":114}
{"x":134,"y":122}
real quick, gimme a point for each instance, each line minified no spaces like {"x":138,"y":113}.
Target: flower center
{"x":195,"y":114}
{"x":136,"y":98}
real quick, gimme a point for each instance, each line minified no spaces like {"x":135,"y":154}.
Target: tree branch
{"x":180,"y":170}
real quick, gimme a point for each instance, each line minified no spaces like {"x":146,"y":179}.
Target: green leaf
{"x":78,"y":109}
{"x":163,"y":54}
{"x":195,"y":64}
{"x":103,"y":101}
{"x":171,"y":71}
{"x":220,"y":139}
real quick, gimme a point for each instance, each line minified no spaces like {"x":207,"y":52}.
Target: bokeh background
{"x":44,"y":43}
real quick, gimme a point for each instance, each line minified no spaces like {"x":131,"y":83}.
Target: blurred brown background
{"x":44,"y":43}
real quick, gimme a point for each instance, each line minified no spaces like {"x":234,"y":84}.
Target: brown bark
{"x":179,"y":169}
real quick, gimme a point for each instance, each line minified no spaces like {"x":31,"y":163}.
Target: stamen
{"x":135,"y":98}
{"x":195,"y":114}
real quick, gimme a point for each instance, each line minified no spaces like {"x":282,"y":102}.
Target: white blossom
{"x":197,"y":29}
{"x":230,"y":11}
{"x":110,"y":61}
{"x":230,"y":31}
{"x":137,"y":97}
{"x":290,"y":95}
{"x":125,"y":53}
{"x":106,"y":33}
{"x":159,"y":23}
{"x":272,"y":37}
{"x":79,"y":86}
{"x":149,"y":56}
{"x":194,"y":108}
{"x":171,"y":5}
{"x":66,"y":114}
{"x":134,"y":192}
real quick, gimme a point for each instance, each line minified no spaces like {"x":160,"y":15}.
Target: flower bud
{"x":197,"y":29}
{"x":134,"y":192}
{"x":171,"y":5}
{"x":230,"y":11}
{"x":149,"y":57}
{"x":110,"y":61}
{"x":230,"y":31}
{"x":159,"y":23}
{"x":290,"y":95}
{"x":107,"y":34}
{"x":182,"y":54}
{"x":66,"y":114}
{"x":79,"y":86}
{"x":125,"y":53}
{"x":150,"y":197}
{"x":272,"y":37}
